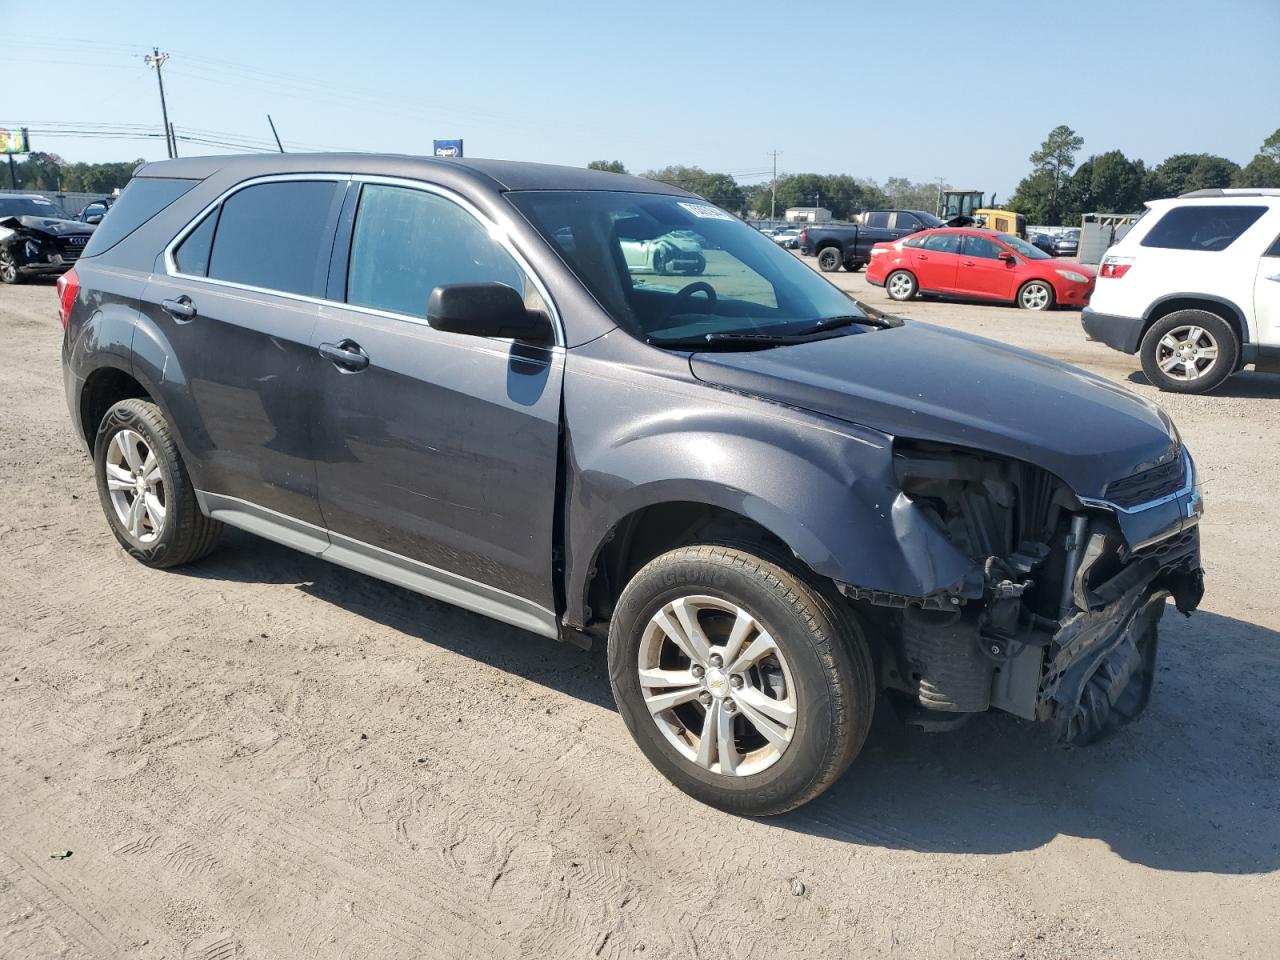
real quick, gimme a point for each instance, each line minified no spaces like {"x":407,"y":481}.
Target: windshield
{"x":29,"y":207}
{"x":669,"y":268}
{"x":1021,"y":246}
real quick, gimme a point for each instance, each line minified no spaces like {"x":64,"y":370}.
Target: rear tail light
{"x":68,"y":290}
{"x":1113,"y":269}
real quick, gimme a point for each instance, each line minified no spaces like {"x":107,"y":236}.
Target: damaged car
{"x":37,"y":238}
{"x":772,"y":504}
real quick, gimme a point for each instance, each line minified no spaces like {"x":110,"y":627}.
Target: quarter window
{"x":1274,"y":249}
{"x":1204,"y":228}
{"x":276,"y":236}
{"x":192,"y":255}
{"x":407,"y":242}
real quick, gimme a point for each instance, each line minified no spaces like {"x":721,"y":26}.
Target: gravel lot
{"x":265,"y":756}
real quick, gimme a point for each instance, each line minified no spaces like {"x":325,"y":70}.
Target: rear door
{"x":437,"y":452}
{"x":238,"y":304}
{"x":982,"y":273}
{"x":1266,"y":297}
{"x":935,"y":259}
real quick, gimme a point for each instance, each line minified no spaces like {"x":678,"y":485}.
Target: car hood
{"x":930,"y":383}
{"x":48,"y":225}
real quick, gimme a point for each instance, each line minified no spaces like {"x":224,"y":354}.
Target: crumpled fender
{"x":824,"y":487}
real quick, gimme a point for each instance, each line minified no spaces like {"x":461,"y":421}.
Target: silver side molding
{"x":382,"y":564}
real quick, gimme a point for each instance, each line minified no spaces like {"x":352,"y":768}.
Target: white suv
{"x":1195,"y":288}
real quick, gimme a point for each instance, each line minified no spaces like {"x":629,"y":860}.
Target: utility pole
{"x":156,"y":59}
{"x":773,"y":199}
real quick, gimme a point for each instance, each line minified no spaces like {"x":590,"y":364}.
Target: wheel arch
{"x":103,"y":388}
{"x":1211,"y":303}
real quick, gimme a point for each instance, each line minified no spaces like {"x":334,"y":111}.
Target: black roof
{"x":493,"y":174}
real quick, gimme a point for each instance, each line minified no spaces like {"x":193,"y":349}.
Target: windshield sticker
{"x":705,"y":211}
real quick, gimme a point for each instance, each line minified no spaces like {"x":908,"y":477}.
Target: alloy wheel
{"x":717,"y":685}
{"x":135,"y":484}
{"x":900,"y":286}
{"x":1187,"y":352}
{"x":1035,"y":296}
{"x":8,"y":268}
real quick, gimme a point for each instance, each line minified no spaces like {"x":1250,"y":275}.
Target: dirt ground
{"x":265,"y":757}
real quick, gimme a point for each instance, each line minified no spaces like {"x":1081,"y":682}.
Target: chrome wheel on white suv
{"x":1190,"y":351}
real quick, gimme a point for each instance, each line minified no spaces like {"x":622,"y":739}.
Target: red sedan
{"x":978,"y":264}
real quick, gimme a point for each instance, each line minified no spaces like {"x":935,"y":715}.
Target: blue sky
{"x":921,"y":89}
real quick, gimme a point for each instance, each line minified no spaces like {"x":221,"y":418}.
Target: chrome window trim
{"x":1188,"y":476}
{"x":493,"y":229}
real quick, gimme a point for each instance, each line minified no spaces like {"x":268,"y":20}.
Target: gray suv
{"x":773,"y":503}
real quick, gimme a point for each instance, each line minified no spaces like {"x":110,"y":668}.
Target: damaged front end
{"x":1056,"y":620}
{"x":38,"y":246}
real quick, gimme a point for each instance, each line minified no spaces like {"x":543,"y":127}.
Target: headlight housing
{"x":1073,"y":276}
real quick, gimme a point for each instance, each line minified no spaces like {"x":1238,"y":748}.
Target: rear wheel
{"x":144,"y":488}
{"x":901,"y":285}
{"x":829,"y":259}
{"x":746,"y":686}
{"x":1189,"y":351}
{"x":1035,"y":295}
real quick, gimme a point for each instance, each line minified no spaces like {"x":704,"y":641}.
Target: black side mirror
{"x":1006,"y":256}
{"x":486,"y":310}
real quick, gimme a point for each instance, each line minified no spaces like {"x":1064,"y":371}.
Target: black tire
{"x":853,"y":266}
{"x":1036,"y":295}
{"x":826,"y":656}
{"x":1178,"y":327}
{"x":905,"y":288}
{"x":829,"y":259}
{"x":185,"y":533}
{"x":9,"y":268}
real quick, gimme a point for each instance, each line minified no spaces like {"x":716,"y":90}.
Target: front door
{"x":234,"y":307}
{"x":436,"y":452}
{"x":982,"y":273}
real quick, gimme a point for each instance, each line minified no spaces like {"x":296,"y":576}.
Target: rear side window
{"x":878,"y":219}
{"x":1202,"y":228}
{"x":141,"y":199}
{"x":275,"y":236}
{"x":942,"y":242}
{"x":407,"y":242}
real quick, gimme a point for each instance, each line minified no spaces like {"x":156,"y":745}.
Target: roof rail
{"x":1233,"y":192}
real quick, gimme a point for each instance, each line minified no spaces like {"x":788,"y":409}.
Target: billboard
{"x":448,"y":148}
{"x":16,"y":141}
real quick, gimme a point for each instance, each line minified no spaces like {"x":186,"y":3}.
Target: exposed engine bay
{"x":1057,"y":619}
{"x":38,"y":245}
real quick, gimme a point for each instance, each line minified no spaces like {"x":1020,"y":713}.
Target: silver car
{"x":677,"y":252}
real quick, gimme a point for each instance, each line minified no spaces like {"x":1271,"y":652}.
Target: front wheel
{"x":1035,"y":295}
{"x":9,"y":268}
{"x":1189,"y":351}
{"x":747,"y":687}
{"x":829,"y":259}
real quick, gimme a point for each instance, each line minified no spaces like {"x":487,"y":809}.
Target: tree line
{"x":49,"y":173}
{"x":1057,"y":191}
{"x":842,"y":194}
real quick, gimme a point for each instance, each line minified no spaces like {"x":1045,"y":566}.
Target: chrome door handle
{"x":181,"y":309}
{"x":1275,"y":277}
{"x":347,"y":355}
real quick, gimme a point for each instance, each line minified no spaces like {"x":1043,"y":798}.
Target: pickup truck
{"x":850,"y":243}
